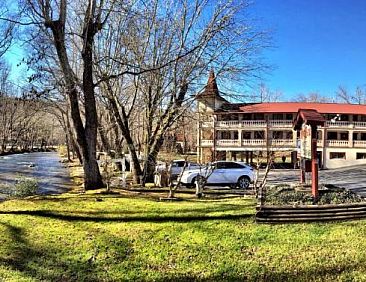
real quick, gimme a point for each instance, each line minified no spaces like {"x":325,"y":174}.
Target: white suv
{"x":221,"y":173}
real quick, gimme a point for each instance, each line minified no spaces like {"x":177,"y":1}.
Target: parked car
{"x":176,"y":167}
{"x":221,"y":173}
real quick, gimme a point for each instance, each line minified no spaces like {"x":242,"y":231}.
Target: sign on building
{"x":305,"y":141}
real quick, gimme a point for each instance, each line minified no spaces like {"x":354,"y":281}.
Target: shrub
{"x":5,"y":189}
{"x":25,"y":187}
{"x":328,"y":194}
{"x":286,"y":195}
{"x":341,"y":197}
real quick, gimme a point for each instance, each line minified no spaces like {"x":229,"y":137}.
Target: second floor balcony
{"x":249,"y":124}
{"x":274,"y":143}
{"x":277,"y":144}
{"x":235,"y":124}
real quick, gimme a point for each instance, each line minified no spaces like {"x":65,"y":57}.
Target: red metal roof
{"x":293,"y":107}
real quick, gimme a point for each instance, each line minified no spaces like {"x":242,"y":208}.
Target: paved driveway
{"x":352,"y":178}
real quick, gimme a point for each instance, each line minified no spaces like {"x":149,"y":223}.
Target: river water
{"x":45,"y":167}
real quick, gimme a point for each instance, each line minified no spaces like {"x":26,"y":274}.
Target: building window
{"x":258,"y":134}
{"x":247,"y":116}
{"x":258,"y":117}
{"x":289,"y":117}
{"x":225,"y":135}
{"x":359,"y":136}
{"x":337,"y":155}
{"x":362,"y":118}
{"x":360,"y":156}
{"x":344,"y":118}
{"x":344,"y":135}
{"x":277,"y":117}
{"x":331,"y":135}
{"x":288,"y":134}
{"x":226,"y":117}
{"x":277,"y":134}
{"x":247,"y":135}
{"x":234,"y":117}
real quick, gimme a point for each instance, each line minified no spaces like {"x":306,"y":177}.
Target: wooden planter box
{"x":310,"y":213}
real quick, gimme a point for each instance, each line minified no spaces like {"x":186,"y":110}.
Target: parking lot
{"x":352,"y":178}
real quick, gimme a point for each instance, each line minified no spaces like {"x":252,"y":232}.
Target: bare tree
{"x":67,"y":23}
{"x":266,"y":95}
{"x":167,"y":50}
{"x":358,"y":97}
{"x":7,"y":28}
{"x":312,"y":97}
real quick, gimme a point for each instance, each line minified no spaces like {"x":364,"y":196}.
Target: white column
{"x":350,"y":138}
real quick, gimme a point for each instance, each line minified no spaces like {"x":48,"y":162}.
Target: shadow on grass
{"x":58,"y":262}
{"x":49,"y":263}
{"x":152,"y":196}
{"x":19,"y":248}
{"x":151,"y":219}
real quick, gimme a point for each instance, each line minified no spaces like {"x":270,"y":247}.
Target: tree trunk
{"x":85,"y":137}
{"x":122,"y":122}
{"x":103,"y":139}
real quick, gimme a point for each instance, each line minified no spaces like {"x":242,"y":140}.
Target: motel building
{"x":233,"y":131}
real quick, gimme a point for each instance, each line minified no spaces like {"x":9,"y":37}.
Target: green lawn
{"x":79,"y":238}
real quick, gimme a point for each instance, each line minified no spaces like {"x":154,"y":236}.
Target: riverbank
{"x":77,"y":177}
{"x":14,"y":152}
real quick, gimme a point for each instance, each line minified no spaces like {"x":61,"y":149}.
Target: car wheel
{"x":243,"y":182}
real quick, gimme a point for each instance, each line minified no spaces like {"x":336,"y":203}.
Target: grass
{"x":134,"y":237}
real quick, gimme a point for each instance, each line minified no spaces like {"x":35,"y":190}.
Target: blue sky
{"x":318,"y":44}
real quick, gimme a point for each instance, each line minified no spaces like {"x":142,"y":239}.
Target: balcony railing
{"x":278,"y":143}
{"x":279,"y":124}
{"x":254,"y":142}
{"x":346,"y":124}
{"x":337,"y":143}
{"x":282,"y":143}
{"x":359,"y":143}
{"x":360,"y":124}
{"x":252,"y":123}
{"x":237,"y":124}
{"x":339,"y":124}
{"x":227,"y":142}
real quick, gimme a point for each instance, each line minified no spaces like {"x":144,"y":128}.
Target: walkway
{"x":352,"y":178}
